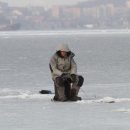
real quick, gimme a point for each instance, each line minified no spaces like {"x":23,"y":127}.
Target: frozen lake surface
{"x":103,"y":58}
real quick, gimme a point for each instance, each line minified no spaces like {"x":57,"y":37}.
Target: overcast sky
{"x":46,"y":3}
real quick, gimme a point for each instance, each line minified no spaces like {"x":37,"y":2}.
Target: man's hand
{"x":66,"y":77}
{"x":73,"y":77}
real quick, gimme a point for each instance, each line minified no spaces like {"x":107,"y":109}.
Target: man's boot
{"x":74,"y":94}
{"x":61,"y":93}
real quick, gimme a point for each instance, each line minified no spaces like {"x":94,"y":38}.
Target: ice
{"x":26,"y":95}
{"x":103,"y":58}
{"x":23,"y":94}
{"x":123,"y":110}
{"x":108,"y":100}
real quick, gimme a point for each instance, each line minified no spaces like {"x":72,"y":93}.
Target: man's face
{"x":63,"y":54}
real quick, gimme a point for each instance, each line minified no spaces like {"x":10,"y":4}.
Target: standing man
{"x":64,"y":74}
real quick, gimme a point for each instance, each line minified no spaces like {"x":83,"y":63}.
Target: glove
{"x":73,"y":78}
{"x":66,"y":77}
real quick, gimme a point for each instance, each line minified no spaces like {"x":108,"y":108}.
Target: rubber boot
{"x":61,"y":93}
{"x":56,"y":97}
{"x":74,"y":93}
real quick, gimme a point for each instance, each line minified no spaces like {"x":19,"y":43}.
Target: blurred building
{"x":56,"y":11}
{"x":111,"y":9}
{"x":128,"y":4}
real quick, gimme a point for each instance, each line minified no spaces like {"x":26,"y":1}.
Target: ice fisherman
{"x":63,"y":68}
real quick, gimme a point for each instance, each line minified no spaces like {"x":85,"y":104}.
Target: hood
{"x":63,"y":47}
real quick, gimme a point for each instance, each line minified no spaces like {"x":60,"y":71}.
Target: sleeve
{"x":73,"y":67}
{"x":54,"y":68}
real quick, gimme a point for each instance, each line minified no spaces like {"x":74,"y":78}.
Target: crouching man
{"x":64,"y":74}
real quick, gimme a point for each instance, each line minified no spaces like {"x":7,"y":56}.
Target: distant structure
{"x":94,"y":14}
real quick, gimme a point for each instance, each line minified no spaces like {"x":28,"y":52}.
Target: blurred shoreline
{"x":63,"y":32}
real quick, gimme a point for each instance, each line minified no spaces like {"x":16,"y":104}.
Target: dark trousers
{"x":63,"y":88}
